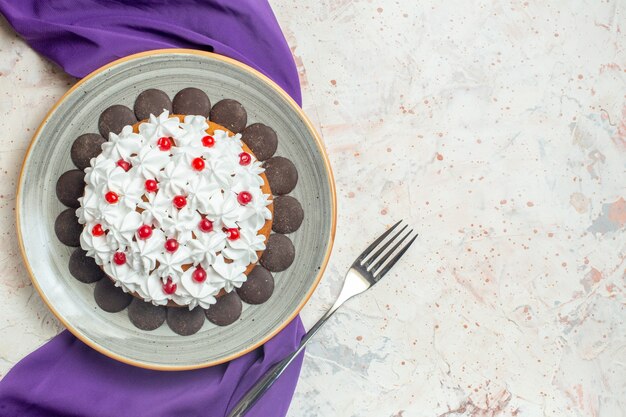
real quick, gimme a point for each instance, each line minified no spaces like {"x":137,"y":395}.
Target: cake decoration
{"x":258,"y":288}
{"x":69,"y":187}
{"x":261,"y":139}
{"x":279,"y":253}
{"x":244,"y":159}
{"x":151,"y":101}
{"x":226,"y":311}
{"x":109,"y":297}
{"x":185,"y":322}
{"x":97,"y":230}
{"x":113,"y":120}
{"x":282,"y":174}
{"x":288,"y":214}
{"x":67,"y":228}
{"x":84,"y":148}
{"x":230,"y":114}
{"x":191,"y":100}
{"x":146,"y":316}
{"x":84,"y":268}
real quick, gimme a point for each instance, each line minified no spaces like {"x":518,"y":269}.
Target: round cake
{"x":172,"y":208}
{"x":176,"y":210}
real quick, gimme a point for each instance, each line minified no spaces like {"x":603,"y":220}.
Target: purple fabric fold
{"x":65,"y":377}
{"x":82,"y":35}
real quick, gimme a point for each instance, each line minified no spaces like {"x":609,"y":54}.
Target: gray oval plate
{"x":49,"y":156}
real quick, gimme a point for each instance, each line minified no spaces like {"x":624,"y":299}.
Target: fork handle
{"x":268,"y":379}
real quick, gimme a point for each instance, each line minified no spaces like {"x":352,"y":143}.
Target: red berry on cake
{"x":199,"y":275}
{"x":119,"y":258}
{"x":232,"y":233}
{"x":164,"y":143}
{"x":179,"y":201}
{"x":205,"y":225}
{"x":169,"y":287}
{"x":245,"y":158}
{"x":171,"y":245}
{"x":144,"y":232}
{"x":111,"y":197}
{"x":97,"y":230}
{"x":197,"y":164}
{"x":151,"y":186}
{"x":125,"y":165}
{"x":244,"y":198}
{"x":208,"y":141}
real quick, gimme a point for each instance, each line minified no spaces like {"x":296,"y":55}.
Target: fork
{"x":368,"y":268}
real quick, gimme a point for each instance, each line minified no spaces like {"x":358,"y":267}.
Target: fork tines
{"x":378,"y":263}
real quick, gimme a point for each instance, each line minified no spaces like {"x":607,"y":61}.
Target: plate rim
{"x":318,"y":142}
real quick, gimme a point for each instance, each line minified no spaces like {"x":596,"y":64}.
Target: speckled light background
{"x":497,"y":128}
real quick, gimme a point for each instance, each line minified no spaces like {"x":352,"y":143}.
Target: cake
{"x":178,"y":211}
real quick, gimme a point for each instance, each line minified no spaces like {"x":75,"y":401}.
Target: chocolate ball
{"x":230,"y":114}
{"x":84,"y":148}
{"x":192,"y":101}
{"x":113,"y":120}
{"x":67,"y":228}
{"x":261,"y":140}
{"x":183,"y":321}
{"x":109,"y":297}
{"x":84,"y":268}
{"x":226,"y":311}
{"x":282,"y":174}
{"x":279,"y":253}
{"x":288,"y":214}
{"x":146,"y":316}
{"x":70,"y":187}
{"x":151,"y":101}
{"x":258,"y":288}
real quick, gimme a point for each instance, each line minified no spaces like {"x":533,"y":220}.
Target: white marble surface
{"x":498,"y":128}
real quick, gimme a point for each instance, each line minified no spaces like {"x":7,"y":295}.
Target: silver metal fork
{"x":367,"y":270}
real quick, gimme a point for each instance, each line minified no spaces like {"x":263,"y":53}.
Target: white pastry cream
{"x":172,"y":213}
